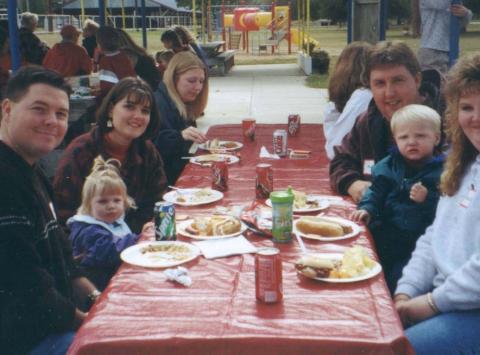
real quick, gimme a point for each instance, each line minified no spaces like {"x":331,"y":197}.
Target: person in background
{"x":5,"y":61}
{"x":435,"y":18}
{"x":400,"y":204}
{"x":113,"y":64}
{"x":89,"y":41}
{"x":438,"y":296}
{"x":144,"y":64}
{"x":188,"y":41}
{"x":181,"y":98}
{"x":32,"y":49}
{"x":43,"y":296}
{"x":348,"y":94}
{"x":126,"y":120}
{"x":172,"y":41}
{"x":67,"y":57}
{"x":163,"y":58}
{"x":395,"y":80}
{"x":98,"y":231}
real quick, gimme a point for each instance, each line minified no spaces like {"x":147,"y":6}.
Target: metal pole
{"x":289,"y":29}
{"x":13,"y":34}
{"x":308,"y":27}
{"x":123,"y":15}
{"x":194,"y":18}
{"x":82,"y":11}
{"x":454,"y":37}
{"x":144,"y":25}
{"x":350,"y":21}
{"x":383,"y":19}
{"x":101,"y":12}
{"x":204,"y":39}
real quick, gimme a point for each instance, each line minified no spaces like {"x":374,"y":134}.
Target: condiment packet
{"x":264,"y":153}
{"x":180,"y":275}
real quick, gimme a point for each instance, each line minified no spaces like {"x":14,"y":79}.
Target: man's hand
{"x":418,"y":193}
{"x":414,"y":310}
{"x":357,"y":189}
{"x":360,"y":216}
{"x":459,"y":10}
{"x":148,"y":230}
{"x":194,"y":134}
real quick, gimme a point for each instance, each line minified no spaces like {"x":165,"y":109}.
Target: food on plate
{"x":207,"y":160}
{"x":197,"y":196}
{"x":218,"y":144}
{"x":302,"y":201}
{"x":167,"y":251}
{"x":314,"y":266}
{"x":322,"y":226}
{"x":215,"y":225}
{"x":355,"y":262}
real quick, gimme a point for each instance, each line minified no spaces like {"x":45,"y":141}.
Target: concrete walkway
{"x":268,"y":93}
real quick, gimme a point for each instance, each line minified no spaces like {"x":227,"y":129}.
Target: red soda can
{"x":293,"y":124}
{"x":280,"y":142}
{"x":263,"y":181}
{"x":268,"y":275}
{"x":248,"y":126}
{"x":220,"y":176}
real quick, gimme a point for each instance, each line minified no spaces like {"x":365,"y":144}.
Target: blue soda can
{"x":164,"y":218}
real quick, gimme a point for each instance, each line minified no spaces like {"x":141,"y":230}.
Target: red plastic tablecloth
{"x":142,"y":313}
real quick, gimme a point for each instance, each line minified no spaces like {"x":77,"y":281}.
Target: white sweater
{"x":336,"y":125}
{"x":447,"y":257}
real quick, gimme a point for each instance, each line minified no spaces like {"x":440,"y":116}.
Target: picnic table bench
{"x":217,"y":60}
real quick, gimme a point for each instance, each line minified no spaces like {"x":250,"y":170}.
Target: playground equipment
{"x":248,"y":19}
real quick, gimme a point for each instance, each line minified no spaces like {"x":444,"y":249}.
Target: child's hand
{"x":360,"y":216}
{"x":418,"y":192}
{"x":148,"y":230}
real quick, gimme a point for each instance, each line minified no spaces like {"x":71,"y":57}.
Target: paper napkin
{"x":265,"y":154}
{"x":218,"y":248}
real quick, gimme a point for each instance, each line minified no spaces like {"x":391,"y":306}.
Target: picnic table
{"x":142,"y":313}
{"x":218,"y":60}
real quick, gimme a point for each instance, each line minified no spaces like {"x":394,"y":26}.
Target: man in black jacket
{"x":39,"y":283}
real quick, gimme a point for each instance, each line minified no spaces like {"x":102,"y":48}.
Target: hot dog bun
{"x":314,"y":266}
{"x":315,"y":225}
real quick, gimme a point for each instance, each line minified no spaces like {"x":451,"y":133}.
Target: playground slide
{"x":296,"y":35}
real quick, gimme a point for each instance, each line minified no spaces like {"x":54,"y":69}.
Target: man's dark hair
{"x":20,"y":82}
{"x":394,"y":53}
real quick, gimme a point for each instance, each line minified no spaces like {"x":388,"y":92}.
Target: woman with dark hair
{"x":126,"y":121}
{"x":171,"y":40}
{"x":143,"y":63}
{"x":188,"y":41}
{"x":181,"y":97}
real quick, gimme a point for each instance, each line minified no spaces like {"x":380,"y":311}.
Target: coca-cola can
{"x":293,"y":124}
{"x":248,"y":126}
{"x":280,"y":142}
{"x":263,"y":181}
{"x":220,"y":176}
{"x":268,"y":275}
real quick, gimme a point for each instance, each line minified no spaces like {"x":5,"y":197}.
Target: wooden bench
{"x":222,"y":62}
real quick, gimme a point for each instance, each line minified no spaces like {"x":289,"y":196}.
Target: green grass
{"x":332,"y":40}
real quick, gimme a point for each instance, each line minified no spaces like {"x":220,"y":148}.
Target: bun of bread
{"x":215,"y":225}
{"x":324,"y":227}
{"x":314,"y":266}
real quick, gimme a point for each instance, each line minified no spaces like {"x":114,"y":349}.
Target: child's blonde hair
{"x":462,"y":80}
{"x":416,"y":114}
{"x":104,"y":178}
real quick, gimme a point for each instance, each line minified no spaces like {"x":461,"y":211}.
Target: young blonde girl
{"x":438,"y":296}
{"x":98,"y":231}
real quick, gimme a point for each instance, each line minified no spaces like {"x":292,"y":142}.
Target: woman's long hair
{"x":462,"y":80}
{"x":179,"y":64}
{"x":350,"y":73}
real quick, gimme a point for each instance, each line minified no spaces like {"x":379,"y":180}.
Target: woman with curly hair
{"x":438,"y":296}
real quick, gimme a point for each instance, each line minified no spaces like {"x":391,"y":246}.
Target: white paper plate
{"x":181,"y":229}
{"x":323,"y":203}
{"x":235,"y":146}
{"x":374,"y":271}
{"x":206,"y":159}
{"x":191,"y":198}
{"x":134,"y":255}
{"x":356,"y":229}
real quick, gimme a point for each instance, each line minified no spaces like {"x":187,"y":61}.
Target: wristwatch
{"x":92,"y":297}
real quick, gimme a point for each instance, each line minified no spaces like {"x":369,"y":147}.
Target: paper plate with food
{"x":193,"y":197}
{"x":353,"y":265}
{"x":160,"y":254}
{"x":325,"y":228}
{"x":304,"y":202}
{"x":214,"y":227}
{"x":219,"y":145}
{"x":209,"y":159}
